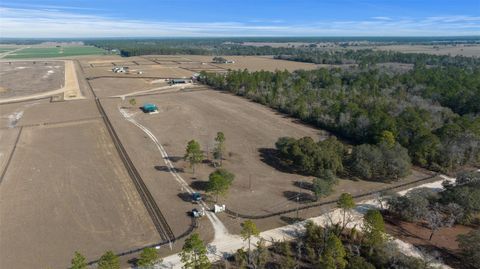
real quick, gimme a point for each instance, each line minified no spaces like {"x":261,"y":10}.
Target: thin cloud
{"x":27,"y":22}
{"x":381,"y":18}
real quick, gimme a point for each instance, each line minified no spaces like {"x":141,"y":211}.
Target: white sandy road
{"x":169,"y":88}
{"x":71,"y":89}
{"x":225,"y":243}
{"x":221,"y":232}
{"x":290,"y":232}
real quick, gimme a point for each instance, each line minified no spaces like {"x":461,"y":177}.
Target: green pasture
{"x":55,"y":52}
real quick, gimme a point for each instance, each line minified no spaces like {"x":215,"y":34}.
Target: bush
{"x":380,"y":162}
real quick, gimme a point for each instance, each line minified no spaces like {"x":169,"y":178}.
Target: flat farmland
{"x":256,"y":63}
{"x":251,"y":131}
{"x":66,"y":190}
{"x":453,"y":50}
{"x":20,"y":78}
{"x":49,"y":52}
{"x":105,"y":87}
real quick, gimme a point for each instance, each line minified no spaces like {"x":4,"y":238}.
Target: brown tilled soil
{"x":67,"y":190}
{"x":105,"y":87}
{"x":20,"y":78}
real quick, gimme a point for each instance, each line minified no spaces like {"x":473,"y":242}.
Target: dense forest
{"x":309,"y":52}
{"x":432,"y":111}
{"x":368,"y":56}
{"x":129,"y":48}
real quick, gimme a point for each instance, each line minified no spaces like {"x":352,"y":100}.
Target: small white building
{"x":120,"y":69}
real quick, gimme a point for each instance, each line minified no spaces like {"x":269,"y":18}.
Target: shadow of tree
{"x":133,"y":262}
{"x":301,"y":197}
{"x":290,"y":220}
{"x":199,"y":185}
{"x":175,"y":158}
{"x":164,"y":168}
{"x":185,"y":196}
{"x":303,"y":185}
{"x":270,"y":157}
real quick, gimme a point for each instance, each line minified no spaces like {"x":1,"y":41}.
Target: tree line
{"x":430,"y":111}
{"x":365,"y":57}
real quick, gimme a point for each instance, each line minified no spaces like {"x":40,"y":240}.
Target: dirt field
{"x":183,"y":66}
{"x":453,"y":50}
{"x":254,"y":63}
{"x":251,"y":131}
{"x":443,"y":241}
{"x":25,"y":78}
{"x":105,"y":87}
{"x":59,"y":195}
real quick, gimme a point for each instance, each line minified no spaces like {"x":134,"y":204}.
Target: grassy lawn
{"x":55,"y":52}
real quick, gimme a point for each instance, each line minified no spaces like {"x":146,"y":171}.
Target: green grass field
{"x":55,"y":52}
{"x":3,"y":49}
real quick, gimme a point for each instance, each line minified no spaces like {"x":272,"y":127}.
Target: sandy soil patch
{"x":253,"y":63}
{"x":22,"y":78}
{"x":104,"y":87}
{"x":67,"y":190}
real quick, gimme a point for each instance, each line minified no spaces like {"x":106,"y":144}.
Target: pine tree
{"x":148,"y":258}
{"x":78,"y":261}
{"x":194,"y":253}
{"x":193,"y":154}
{"x":109,"y":261}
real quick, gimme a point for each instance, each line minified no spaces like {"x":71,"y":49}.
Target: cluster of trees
{"x":129,"y":48}
{"x":312,"y":158}
{"x":147,"y":259}
{"x":386,"y":161}
{"x":382,"y":162}
{"x":458,"y":202}
{"x":221,"y":179}
{"x":329,"y":247}
{"x":194,"y":154}
{"x":361,"y":104}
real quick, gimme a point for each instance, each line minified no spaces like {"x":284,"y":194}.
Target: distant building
{"x":221,"y":60}
{"x":120,"y":69}
{"x":178,"y":81}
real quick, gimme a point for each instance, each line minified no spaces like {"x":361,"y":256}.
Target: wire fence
{"x":329,"y":202}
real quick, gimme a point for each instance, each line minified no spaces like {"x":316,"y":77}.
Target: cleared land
{"x":183,"y":66}
{"x":453,"y":50}
{"x":251,"y":131}
{"x":67,"y":190}
{"x":49,"y":52}
{"x":29,"y":77}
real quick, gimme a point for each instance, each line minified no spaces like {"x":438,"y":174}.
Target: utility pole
{"x":298,"y":199}
{"x":250,"y":182}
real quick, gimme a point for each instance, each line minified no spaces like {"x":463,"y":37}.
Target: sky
{"x":229,"y":18}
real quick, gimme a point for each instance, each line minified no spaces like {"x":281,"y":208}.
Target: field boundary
{"x":330,"y":202}
{"x":53,"y":123}
{"x":190,"y":229}
{"x":7,"y":164}
{"x":158,"y":219}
